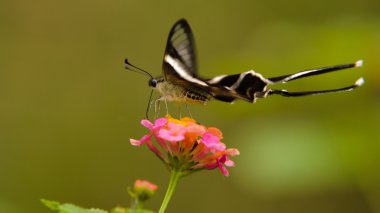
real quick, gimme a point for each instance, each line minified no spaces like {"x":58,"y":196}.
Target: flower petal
{"x":216,"y":132}
{"x":222,"y":160}
{"x":229,"y":163}
{"x":135,"y":142}
{"x":160,"y":123}
{"x":155,"y":150}
{"x":145,"y":184}
{"x":169,"y":136}
{"x":212,"y":142}
{"x":194,"y":131}
{"x":232,"y":152}
{"x":224,"y":170}
{"x":174,"y":133}
{"x":147,"y":124}
{"x":140,"y":142}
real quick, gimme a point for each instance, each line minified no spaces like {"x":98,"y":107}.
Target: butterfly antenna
{"x":133,"y":68}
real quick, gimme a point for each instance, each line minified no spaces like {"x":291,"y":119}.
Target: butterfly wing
{"x":180,"y":66}
{"x":180,"y":52}
{"x":246,"y":86}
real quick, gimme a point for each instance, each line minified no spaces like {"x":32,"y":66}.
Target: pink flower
{"x":152,"y":127}
{"x":187,"y":146}
{"x":145,"y":185}
{"x":212,"y":142}
{"x":194,"y":130}
{"x":142,"y":190}
{"x":157,"y":124}
{"x":174,"y":132}
{"x":140,"y":142}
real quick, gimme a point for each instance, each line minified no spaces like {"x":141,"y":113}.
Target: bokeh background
{"x":68,"y":107}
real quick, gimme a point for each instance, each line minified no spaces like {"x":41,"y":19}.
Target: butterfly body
{"x":181,"y":83}
{"x":179,"y":94}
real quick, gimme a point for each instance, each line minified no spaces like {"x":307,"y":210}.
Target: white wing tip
{"x":359,"y":82}
{"x":359,"y":63}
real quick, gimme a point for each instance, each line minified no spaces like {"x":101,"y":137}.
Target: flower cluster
{"x":187,"y":146}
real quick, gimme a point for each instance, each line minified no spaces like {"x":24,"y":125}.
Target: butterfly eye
{"x":152,"y":82}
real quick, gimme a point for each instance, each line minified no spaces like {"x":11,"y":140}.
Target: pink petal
{"x":140,"y":142}
{"x":209,"y":138}
{"x":215,"y":131}
{"x":168,"y":136}
{"x":155,"y":150}
{"x":229,"y":163}
{"x":174,"y":133}
{"x":222,"y":159}
{"x":219,"y":147}
{"x":232,"y":152}
{"x":160,"y":123}
{"x":163,"y":144}
{"x":135,"y":142}
{"x":195,"y":129}
{"x":147,"y":124}
{"x":224,"y":170}
{"x":145,"y":184}
{"x":176,"y":127}
{"x":212,"y":165}
{"x":212,"y":142}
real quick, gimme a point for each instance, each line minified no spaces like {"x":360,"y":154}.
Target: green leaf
{"x":53,"y":205}
{"x":124,"y":210}
{"x":69,"y":208}
{"x":140,"y":211}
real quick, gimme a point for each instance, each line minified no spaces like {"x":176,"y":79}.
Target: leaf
{"x":140,"y":211}
{"x":124,"y":210}
{"x":69,"y":208}
{"x":53,"y":205}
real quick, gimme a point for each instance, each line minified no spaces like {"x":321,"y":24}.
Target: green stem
{"x":174,"y":178}
{"x":140,"y":205}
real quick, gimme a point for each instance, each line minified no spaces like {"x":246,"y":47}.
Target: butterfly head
{"x":153,"y":82}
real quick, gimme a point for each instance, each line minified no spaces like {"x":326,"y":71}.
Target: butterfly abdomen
{"x":176,"y":93}
{"x":196,"y":97}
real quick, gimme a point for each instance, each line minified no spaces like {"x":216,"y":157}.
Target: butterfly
{"x":181,"y":83}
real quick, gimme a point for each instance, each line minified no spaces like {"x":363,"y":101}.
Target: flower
{"x":174,"y":132}
{"x":142,"y":190}
{"x":186,"y":146}
{"x":145,"y":185}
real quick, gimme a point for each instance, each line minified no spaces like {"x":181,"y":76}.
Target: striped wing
{"x":180,"y":47}
{"x":247,"y":86}
{"x":180,"y":68}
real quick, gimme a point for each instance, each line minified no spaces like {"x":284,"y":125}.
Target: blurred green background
{"x":68,"y":107}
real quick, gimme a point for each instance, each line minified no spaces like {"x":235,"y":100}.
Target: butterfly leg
{"x":187,"y":106}
{"x":179,"y":111}
{"x":157,"y":107}
{"x":188,"y":110}
{"x":149,"y":105}
{"x":166,"y":105}
{"x":285,"y":93}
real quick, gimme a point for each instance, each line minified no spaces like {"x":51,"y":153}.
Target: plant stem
{"x":174,"y":178}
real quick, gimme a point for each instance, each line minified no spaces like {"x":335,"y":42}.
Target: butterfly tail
{"x":312,"y":72}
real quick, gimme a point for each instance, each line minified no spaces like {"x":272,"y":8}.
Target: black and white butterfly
{"x":181,"y":83}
